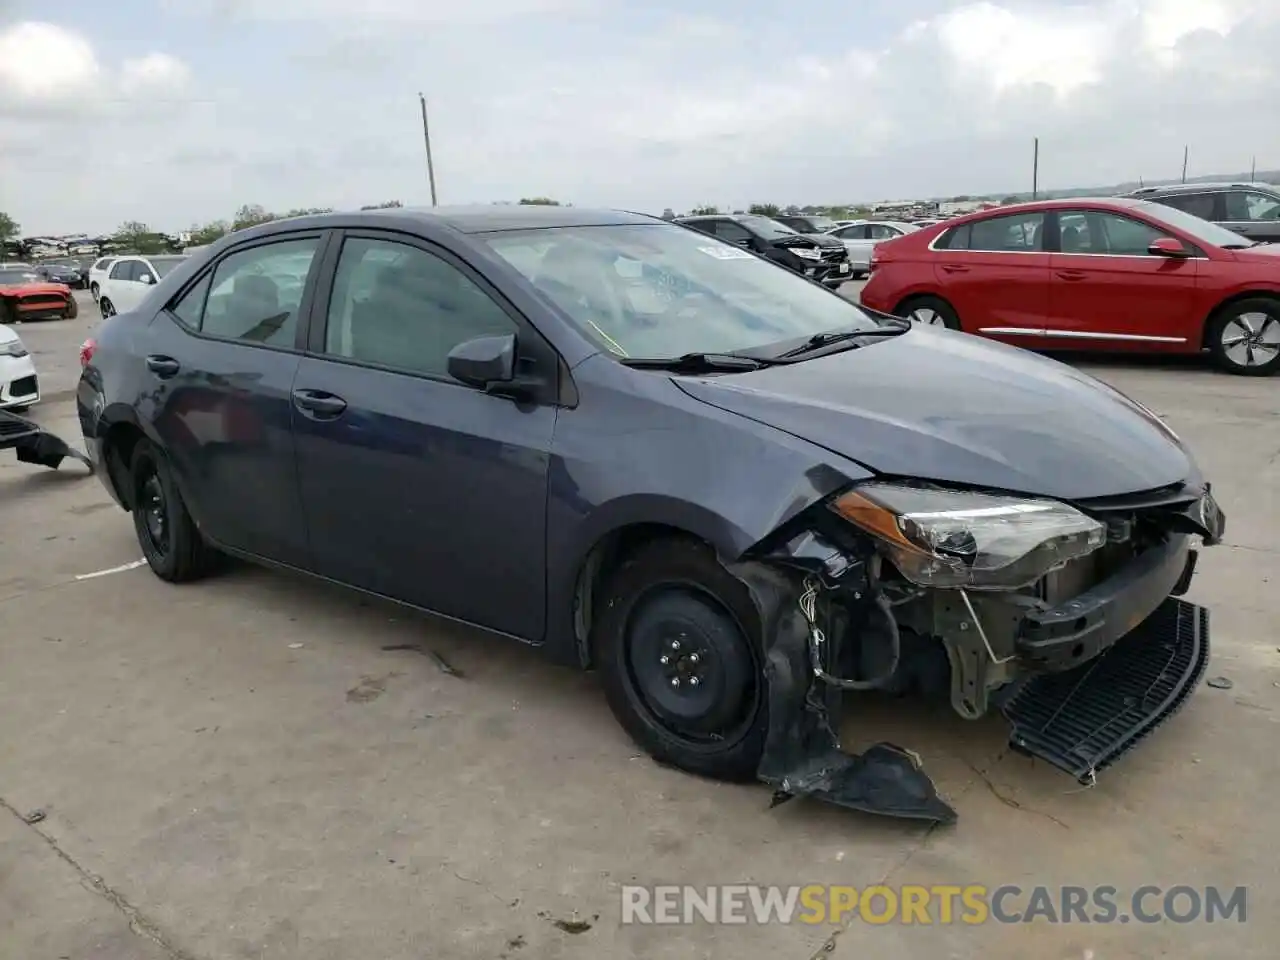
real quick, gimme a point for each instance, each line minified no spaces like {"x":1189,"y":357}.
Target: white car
{"x":130,"y":279}
{"x":860,"y":240}
{"x":98,"y":272}
{"x":19,"y":385}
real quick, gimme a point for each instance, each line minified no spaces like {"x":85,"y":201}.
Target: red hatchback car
{"x":1110,"y":274}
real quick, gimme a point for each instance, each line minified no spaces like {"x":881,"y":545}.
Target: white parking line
{"x":120,"y":569}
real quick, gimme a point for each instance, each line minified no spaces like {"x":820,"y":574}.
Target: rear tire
{"x":1244,"y":337}
{"x":929,"y":312}
{"x":107,"y":307}
{"x":170,"y":542}
{"x":677,"y":643}
{"x":93,"y":289}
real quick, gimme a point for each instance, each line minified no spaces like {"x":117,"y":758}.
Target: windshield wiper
{"x":696,"y":363}
{"x":1238,"y":246}
{"x":820,"y":340}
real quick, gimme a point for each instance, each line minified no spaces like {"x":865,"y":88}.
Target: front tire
{"x":1244,"y":337}
{"x":170,"y":542}
{"x":677,"y":643}
{"x":93,"y":289}
{"x":73,"y":310}
{"x":929,"y":312}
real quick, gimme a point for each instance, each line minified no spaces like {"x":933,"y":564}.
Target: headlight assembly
{"x":956,"y":538}
{"x":807,"y":253}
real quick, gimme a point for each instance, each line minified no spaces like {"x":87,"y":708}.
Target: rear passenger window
{"x":1197,"y":204}
{"x":1016,"y":233}
{"x":396,"y":305}
{"x":190,"y":307}
{"x":253,"y":295}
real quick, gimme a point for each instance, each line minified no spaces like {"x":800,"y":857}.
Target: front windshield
{"x":656,"y":291}
{"x":14,"y":278}
{"x":822,"y":224}
{"x":766,"y":227}
{"x":1201,"y":230}
{"x":164,"y":265}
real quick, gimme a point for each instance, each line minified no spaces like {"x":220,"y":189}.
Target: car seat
{"x":1071,"y":240}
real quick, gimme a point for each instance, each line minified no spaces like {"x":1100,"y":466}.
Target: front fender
{"x":706,"y":472}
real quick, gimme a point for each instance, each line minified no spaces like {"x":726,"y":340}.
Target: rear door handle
{"x":163,"y":367}
{"x":319,"y":405}
{"x":1072,"y":275}
{"x":954,"y":268}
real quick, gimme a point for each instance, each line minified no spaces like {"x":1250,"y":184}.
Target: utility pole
{"x":1253,"y":170}
{"x":1035,"y":170}
{"x":426,"y":137}
{"x":1186,"y":153}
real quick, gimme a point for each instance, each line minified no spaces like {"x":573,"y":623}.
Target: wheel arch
{"x":1263,"y":293}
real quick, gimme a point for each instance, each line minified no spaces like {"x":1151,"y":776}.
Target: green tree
{"x":764,"y":209}
{"x":209,"y":232}
{"x":389,"y":205}
{"x":250,"y":215}
{"x":538,"y":202}
{"x":136,"y":237}
{"x":303,"y":212}
{"x":707,"y":211}
{"x":8,"y":226}
{"x":1012,"y":198}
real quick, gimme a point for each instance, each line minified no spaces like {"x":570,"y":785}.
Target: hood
{"x":1264,"y":252}
{"x":809,"y":240}
{"x":953,"y":408}
{"x":36,"y":286}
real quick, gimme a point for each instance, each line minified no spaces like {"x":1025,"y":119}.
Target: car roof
{"x":1200,"y":187}
{"x":1063,"y":203}
{"x":478,"y":218}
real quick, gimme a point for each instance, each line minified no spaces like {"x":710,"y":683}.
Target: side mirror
{"x":147,"y":278}
{"x":484,"y":362}
{"x":1168,"y":247}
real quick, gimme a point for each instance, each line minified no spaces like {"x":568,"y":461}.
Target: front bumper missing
{"x":33,"y":444}
{"x":1084,"y":719}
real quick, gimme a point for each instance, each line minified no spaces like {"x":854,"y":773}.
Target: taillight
{"x":86,"y":351}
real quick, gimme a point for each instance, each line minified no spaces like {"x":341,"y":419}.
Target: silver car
{"x":860,"y":240}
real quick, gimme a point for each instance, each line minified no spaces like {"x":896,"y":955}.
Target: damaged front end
{"x":33,"y":444}
{"x":1065,"y":617}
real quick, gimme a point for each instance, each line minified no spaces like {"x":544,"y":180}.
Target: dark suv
{"x":1249,"y":209}
{"x":816,"y":256}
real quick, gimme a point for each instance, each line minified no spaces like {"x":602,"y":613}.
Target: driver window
{"x":122,"y":270}
{"x":396,"y":305}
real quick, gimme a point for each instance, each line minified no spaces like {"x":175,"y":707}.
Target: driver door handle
{"x":1072,"y":275}
{"x":318,"y":404}
{"x":163,"y":367}
{"x":954,"y":268}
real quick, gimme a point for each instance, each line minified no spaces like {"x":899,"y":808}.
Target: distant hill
{"x":1263,"y":176}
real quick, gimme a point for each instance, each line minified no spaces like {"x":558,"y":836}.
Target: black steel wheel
{"x":170,"y":542}
{"x":678,"y":648}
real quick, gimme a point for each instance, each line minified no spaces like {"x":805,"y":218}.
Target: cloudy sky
{"x":178,"y":111}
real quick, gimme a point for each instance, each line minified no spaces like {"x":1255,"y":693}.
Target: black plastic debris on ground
{"x":1084,"y":719}
{"x":33,"y":444}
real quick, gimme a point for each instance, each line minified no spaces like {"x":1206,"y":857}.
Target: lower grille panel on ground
{"x":1083,"y":720}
